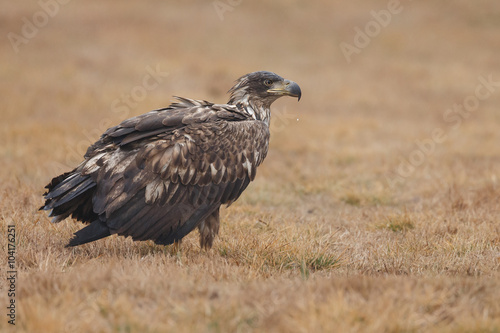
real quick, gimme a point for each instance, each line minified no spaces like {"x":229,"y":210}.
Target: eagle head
{"x":260,"y":89}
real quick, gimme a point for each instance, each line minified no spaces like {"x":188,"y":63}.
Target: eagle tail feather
{"x":94,"y":231}
{"x":68,"y":193}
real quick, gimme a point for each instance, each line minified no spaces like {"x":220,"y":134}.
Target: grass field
{"x":376,"y":210}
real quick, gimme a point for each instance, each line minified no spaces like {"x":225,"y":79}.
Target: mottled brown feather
{"x":161,"y":174}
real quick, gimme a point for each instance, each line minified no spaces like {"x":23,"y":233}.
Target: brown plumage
{"x":161,"y":174}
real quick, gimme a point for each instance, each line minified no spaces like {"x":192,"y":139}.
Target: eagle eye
{"x":268,"y":82}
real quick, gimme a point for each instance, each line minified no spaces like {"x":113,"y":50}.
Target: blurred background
{"x":378,"y":79}
{"x":390,"y":161}
{"x":67,"y":67}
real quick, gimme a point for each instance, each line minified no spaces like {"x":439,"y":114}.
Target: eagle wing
{"x":158,"y":175}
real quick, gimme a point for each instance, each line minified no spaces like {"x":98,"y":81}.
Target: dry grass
{"x":321,"y":241}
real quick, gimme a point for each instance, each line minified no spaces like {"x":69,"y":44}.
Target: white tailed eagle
{"x":161,"y":174}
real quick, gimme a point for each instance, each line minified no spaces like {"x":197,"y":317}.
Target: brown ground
{"x":377,"y":211}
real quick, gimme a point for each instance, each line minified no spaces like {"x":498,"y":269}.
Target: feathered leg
{"x":209,"y":228}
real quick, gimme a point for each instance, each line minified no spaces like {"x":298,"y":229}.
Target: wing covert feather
{"x":164,"y":168}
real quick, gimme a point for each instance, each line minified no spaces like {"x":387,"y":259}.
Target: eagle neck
{"x":257,"y":112}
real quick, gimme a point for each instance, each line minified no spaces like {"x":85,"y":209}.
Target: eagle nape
{"x":160,"y":175}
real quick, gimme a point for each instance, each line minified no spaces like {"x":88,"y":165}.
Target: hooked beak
{"x":286,"y":88}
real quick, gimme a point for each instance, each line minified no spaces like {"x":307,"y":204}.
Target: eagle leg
{"x":209,"y":228}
